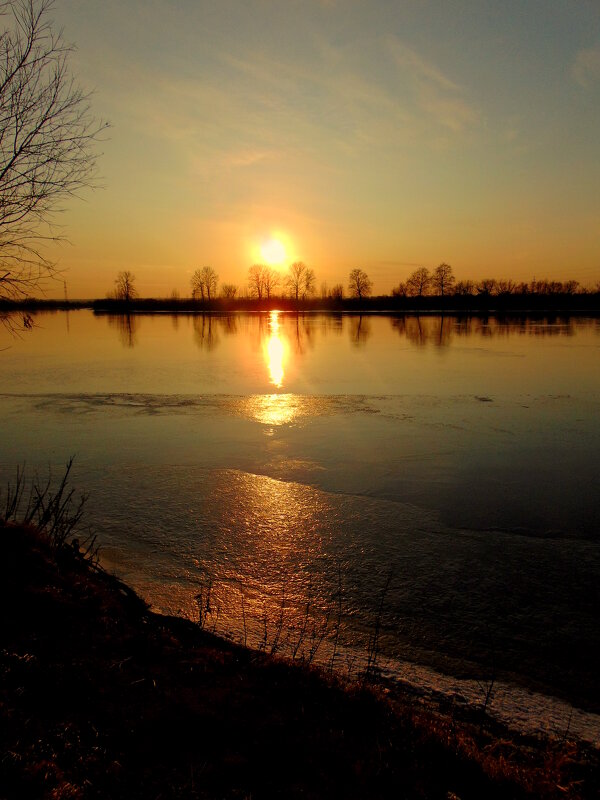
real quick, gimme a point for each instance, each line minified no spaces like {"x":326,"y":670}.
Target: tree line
{"x":441,"y":282}
{"x":298,"y":283}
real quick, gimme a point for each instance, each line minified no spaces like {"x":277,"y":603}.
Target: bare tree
{"x":256,"y":284}
{"x":546,"y":286}
{"x":443,"y":279}
{"x":229,"y":291}
{"x":124,"y":286}
{"x":295,"y":278}
{"x":204,"y":283}
{"x":570,"y":287}
{"x":359,"y":284}
{"x":309,"y":283}
{"x":47,"y":133}
{"x":488,"y":286}
{"x":337,"y":292}
{"x":210,"y":279}
{"x":300,"y":280}
{"x":400,"y":290}
{"x":507,"y":286}
{"x":197,"y":285}
{"x":464,"y":288}
{"x":271,"y":280}
{"x":418,"y":283}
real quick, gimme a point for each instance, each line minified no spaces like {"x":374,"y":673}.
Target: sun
{"x":273,"y":252}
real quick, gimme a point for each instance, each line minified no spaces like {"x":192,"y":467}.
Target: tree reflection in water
{"x":127,"y":326}
{"x":298,"y":332}
{"x":439,"y":330}
{"x":205,"y":331}
{"x":360,"y":330}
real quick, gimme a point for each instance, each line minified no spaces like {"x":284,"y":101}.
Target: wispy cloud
{"x":586,"y":67}
{"x":338,"y":106}
{"x":437,"y":94}
{"x":420,"y":68}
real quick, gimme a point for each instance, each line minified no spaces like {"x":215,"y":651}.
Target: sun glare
{"x":273,"y":252}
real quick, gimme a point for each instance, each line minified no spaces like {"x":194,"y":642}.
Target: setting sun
{"x":273,"y":252}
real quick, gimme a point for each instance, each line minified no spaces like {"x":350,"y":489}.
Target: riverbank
{"x":583,"y":303}
{"x":103,"y":698}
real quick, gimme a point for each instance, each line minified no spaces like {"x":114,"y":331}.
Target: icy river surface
{"x":300,"y":481}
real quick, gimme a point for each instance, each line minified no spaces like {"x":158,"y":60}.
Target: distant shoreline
{"x":588,"y":303}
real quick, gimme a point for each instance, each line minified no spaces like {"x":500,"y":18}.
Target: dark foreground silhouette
{"x":102,"y":698}
{"x":584,"y":302}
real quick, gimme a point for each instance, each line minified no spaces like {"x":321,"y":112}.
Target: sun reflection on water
{"x":275,"y":351}
{"x":275,"y":409}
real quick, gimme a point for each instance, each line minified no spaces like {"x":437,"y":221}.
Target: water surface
{"x":286,"y":461}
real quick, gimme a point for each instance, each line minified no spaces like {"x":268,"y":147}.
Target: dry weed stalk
{"x":56,"y":513}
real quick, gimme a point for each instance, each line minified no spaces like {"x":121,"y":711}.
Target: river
{"x":302,"y":481}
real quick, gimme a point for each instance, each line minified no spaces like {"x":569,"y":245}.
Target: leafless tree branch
{"x":47,"y":137}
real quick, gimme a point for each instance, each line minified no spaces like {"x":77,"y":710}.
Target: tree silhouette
{"x":256,"y":281}
{"x":309,"y":283}
{"x":271,"y":280}
{"x":571,"y":287}
{"x":359,"y":284}
{"x":46,"y":142}
{"x":487,"y":286}
{"x":197,"y":285}
{"x":507,"y":286}
{"x":300,"y":280}
{"x":229,"y":290}
{"x":400,"y":290}
{"x":204,"y":283}
{"x":211,"y":280}
{"x":125,"y":289}
{"x":464,"y":288}
{"x":417,"y":284}
{"x":443,"y":279}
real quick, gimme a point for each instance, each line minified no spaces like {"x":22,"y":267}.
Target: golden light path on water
{"x":279,"y":408}
{"x":276,"y":408}
{"x":275,"y":351}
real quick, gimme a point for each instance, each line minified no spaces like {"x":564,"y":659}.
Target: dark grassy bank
{"x":451,"y":304}
{"x":102,"y":698}
{"x":560,"y":303}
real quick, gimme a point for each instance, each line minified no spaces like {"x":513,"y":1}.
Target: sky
{"x":381,"y":134}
